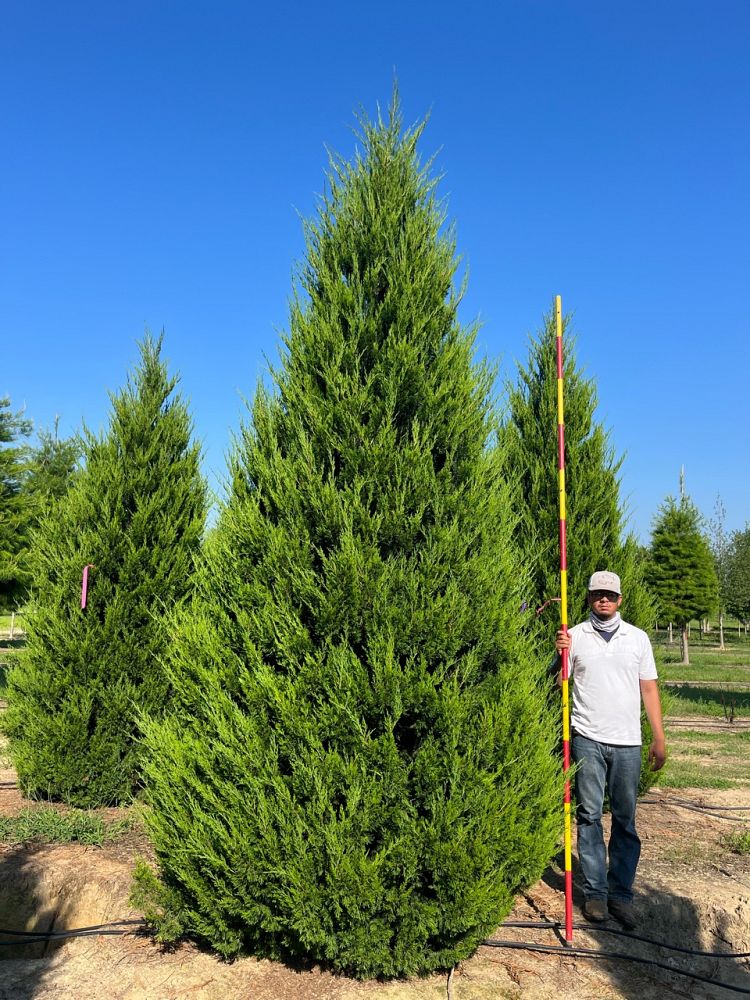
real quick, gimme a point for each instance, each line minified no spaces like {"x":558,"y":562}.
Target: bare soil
{"x":692,"y":892}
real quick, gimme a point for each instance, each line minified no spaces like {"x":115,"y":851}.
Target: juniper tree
{"x":596,"y":537}
{"x":681,"y":568}
{"x":14,"y":427}
{"x":359,"y":767}
{"x":738,"y":575}
{"x":135,"y":514}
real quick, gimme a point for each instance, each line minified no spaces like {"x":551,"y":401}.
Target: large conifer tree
{"x":596,"y":536}
{"x":359,"y":770}
{"x":136,"y":514}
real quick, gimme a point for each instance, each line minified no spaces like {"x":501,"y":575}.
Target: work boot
{"x":595,"y":909}
{"x":623,"y":912}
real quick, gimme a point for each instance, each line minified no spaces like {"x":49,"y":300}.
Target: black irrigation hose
{"x":116,"y":929}
{"x":591,"y":953}
{"x":76,"y":930}
{"x":698,"y":809}
{"x":555,"y":925}
{"x":702,"y":805}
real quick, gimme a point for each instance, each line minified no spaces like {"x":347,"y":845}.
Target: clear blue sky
{"x":155,"y":157}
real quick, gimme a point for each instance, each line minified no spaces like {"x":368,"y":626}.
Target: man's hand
{"x":657,"y":754}
{"x":562,"y":641}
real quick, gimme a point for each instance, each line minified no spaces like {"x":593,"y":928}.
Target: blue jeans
{"x":618,"y":769}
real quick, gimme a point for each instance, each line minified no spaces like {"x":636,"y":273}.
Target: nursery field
{"x":63,"y":869}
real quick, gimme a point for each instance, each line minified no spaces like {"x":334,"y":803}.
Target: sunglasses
{"x":604,"y":595}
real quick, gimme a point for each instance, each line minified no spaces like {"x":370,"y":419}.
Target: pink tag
{"x":85,"y":583}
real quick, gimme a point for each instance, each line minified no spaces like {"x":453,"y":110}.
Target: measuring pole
{"x":564,"y":624}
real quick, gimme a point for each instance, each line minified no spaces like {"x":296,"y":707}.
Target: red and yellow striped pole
{"x":564,"y":623}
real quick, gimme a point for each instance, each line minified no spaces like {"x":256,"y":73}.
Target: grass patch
{"x":48,"y":826}
{"x":688,"y":774}
{"x":706,"y":760}
{"x":721,"y":673}
{"x":738,"y":843}
{"x":696,"y":699}
{"x":687,"y":742}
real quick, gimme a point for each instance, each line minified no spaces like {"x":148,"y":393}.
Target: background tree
{"x":359,"y":769}
{"x":738,"y":575}
{"x":136,"y":513}
{"x":13,"y":505}
{"x":51,"y":466}
{"x":681,"y":570}
{"x":595,"y":513}
{"x":721,"y":551}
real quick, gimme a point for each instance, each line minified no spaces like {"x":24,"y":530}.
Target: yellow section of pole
{"x":564,"y":624}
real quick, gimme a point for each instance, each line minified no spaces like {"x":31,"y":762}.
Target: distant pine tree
{"x":681,"y":570}
{"x":738,"y":575}
{"x":136,"y":513}
{"x":359,"y":768}
{"x":50,"y":470}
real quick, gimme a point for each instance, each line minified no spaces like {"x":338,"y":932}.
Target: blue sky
{"x":157,"y":156}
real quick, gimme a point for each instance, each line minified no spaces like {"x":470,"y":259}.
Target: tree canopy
{"x":134,"y":516}
{"x":596,"y":536}
{"x":359,"y":769}
{"x":14,"y":521}
{"x":681,"y":568}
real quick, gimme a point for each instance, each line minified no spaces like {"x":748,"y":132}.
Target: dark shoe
{"x":623,"y":912}
{"x":595,"y":910}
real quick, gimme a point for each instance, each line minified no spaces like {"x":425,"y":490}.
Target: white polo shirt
{"x":606,"y":682}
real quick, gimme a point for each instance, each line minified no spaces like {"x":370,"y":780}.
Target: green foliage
{"x":594,"y":512}
{"x":13,"y":505}
{"x":50,"y":470}
{"x":681,"y":570}
{"x":738,"y":575}
{"x":135,"y":514}
{"x":50,"y":826}
{"x":360,"y":766}
{"x":160,"y":905}
{"x":737,"y":842}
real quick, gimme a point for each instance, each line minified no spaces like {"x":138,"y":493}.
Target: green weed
{"x":738,"y":843}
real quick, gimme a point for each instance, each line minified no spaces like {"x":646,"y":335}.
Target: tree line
{"x":337,"y":702}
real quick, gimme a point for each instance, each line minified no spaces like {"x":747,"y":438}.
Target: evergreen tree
{"x":13,"y":505}
{"x":135,"y":514}
{"x":359,"y":769}
{"x":594,"y":512}
{"x":681,"y":570}
{"x":51,"y":467}
{"x":738,"y":575}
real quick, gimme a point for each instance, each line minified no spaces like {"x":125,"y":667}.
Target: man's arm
{"x":657,"y":752}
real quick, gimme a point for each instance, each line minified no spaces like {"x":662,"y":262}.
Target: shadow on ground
{"x":24,"y":907}
{"x":717,"y":922}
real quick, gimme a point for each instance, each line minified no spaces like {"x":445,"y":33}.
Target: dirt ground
{"x":692,"y":892}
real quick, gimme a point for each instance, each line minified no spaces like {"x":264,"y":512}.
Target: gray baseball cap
{"x":604,"y":580}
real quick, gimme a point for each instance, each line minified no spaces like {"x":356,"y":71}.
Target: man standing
{"x":612,"y":667}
